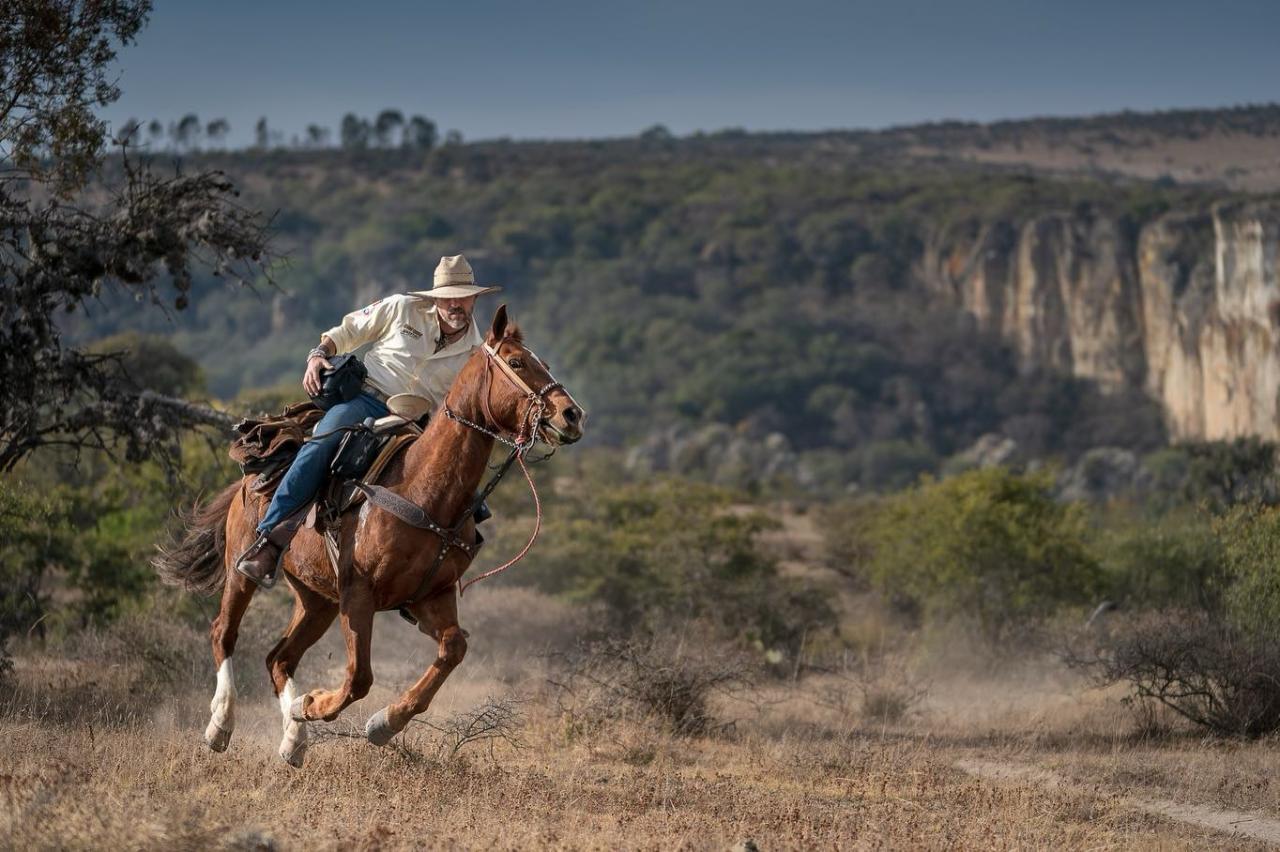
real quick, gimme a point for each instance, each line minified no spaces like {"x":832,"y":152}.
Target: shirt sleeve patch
{"x":369,"y":309}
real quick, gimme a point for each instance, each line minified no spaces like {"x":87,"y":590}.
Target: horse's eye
{"x":515,"y":363}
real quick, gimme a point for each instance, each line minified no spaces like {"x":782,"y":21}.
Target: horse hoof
{"x":296,"y":756}
{"x":217,"y":738}
{"x":378,"y":729}
{"x":297,"y":708}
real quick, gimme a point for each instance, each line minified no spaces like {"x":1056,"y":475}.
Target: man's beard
{"x":457,"y":319}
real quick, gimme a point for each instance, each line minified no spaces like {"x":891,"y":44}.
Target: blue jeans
{"x":311,"y":465}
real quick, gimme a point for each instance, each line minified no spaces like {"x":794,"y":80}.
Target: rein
{"x":520,"y":446}
{"x":537,"y":525}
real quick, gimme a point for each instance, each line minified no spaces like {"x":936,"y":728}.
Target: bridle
{"x":521,"y":442}
{"x":526,"y":432}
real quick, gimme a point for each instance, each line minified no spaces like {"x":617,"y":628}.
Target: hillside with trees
{"x":764,"y":283}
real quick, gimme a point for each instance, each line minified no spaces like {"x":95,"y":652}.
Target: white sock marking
{"x":223,"y":706}
{"x":295,"y":733}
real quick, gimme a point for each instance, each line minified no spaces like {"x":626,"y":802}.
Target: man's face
{"x":455,"y":313}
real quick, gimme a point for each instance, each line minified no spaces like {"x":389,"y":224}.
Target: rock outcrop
{"x":1187,"y":307}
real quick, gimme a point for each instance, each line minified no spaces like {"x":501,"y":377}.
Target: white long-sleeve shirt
{"x":404,"y":331}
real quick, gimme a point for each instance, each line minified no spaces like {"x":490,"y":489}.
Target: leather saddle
{"x":363,"y":455}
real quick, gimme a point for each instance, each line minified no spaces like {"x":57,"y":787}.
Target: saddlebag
{"x":357,"y":452}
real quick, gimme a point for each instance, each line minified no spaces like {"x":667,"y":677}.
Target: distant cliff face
{"x":1188,"y":308}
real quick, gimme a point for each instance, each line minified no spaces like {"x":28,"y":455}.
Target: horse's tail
{"x":197,"y":561}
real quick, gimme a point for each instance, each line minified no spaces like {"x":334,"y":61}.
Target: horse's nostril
{"x":572,"y":415}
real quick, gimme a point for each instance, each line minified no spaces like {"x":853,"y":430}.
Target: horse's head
{"x":518,"y":393}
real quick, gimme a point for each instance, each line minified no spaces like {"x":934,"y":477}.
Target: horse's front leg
{"x":438,"y":618}
{"x":237,"y":592}
{"x":355,"y":610}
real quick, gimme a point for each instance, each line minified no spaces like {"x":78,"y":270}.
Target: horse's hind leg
{"x":312,"y":615}
{"x":438,"y":618}
{"x":237,"y":592}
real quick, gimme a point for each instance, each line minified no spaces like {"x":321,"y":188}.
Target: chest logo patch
{"x":410,"y":330}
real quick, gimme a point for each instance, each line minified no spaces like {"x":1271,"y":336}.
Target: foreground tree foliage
{"x":64,"y":239}
{"x":76,"y":541}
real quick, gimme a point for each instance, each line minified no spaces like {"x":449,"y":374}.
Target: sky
{"x":571,"y":69}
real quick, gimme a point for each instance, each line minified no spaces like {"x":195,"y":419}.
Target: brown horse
{"x":504,"y":391}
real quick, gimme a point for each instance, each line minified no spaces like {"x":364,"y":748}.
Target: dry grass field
{"x":100,"y":747}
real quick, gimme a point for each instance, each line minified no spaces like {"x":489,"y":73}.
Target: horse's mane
{"x":514,"y":334}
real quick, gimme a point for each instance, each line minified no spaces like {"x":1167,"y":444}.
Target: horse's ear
{"x":499,"y":327}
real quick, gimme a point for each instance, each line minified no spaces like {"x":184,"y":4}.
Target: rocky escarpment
{"x":1186,"y":307}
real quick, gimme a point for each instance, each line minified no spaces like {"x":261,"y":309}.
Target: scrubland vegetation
{"x":705,"y":283}
{"x":683,"y":664}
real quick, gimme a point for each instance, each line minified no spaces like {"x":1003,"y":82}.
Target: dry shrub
{"x":654,"y":679}
{"x":6,"y":661}
{"x":1151,"y":719}
{"x":106,"y":675}
{"x":492,"y":722}
{"x":157,"y":644}
{"x":1210,"y":672}
{"x":495,"y":720}
{"x":510,"y":625}
{"x":878,"y":689}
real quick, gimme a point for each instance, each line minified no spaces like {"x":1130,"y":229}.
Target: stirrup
{"x":270,"y":580}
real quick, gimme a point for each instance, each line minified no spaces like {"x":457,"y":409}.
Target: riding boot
{"x":261,"y":562}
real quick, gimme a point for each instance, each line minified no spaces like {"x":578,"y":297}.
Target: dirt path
{"x":1239,"y":823}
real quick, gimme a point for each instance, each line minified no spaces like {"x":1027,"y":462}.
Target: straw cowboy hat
{"x":454,"y":280}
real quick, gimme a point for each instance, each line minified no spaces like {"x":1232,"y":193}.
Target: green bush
{"x":152,"y":362}
{"x":891,"y":465}
{"x":671,"y":552}
{"x":29,"y":539}
{"x":1173,"y":561}
{"x":988,"y":545}
{"x":86,"y":542}
{"x":846,"y":548}
{"x":1222,"y":474}
{"x":1211,"y":656}
{"x":1250,"y":540}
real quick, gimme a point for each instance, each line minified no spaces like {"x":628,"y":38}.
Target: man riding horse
{"x":420,"y":342}
{"x":408,"y":545}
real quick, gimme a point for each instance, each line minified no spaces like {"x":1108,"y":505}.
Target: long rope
{"x":537,"y":525}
